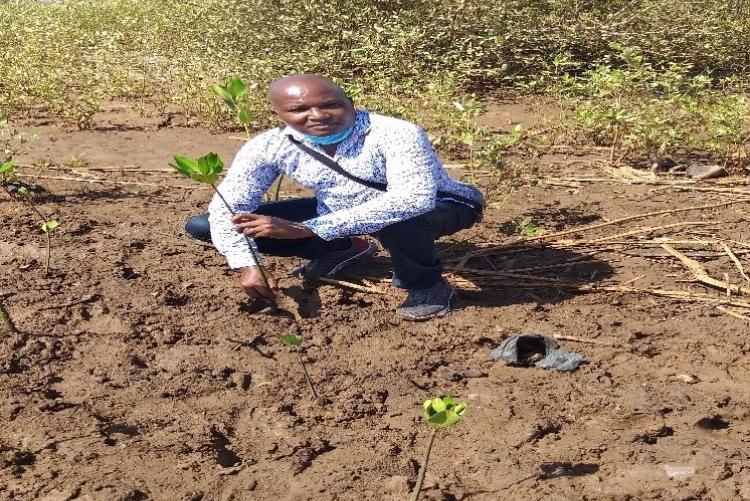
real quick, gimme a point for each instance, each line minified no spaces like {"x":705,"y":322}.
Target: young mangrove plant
{"x":7,"y":172}
{"x":231,"y":94}
{"x":439,"y":412}
{"x":206,"y":170}
{"x":294,"y":342}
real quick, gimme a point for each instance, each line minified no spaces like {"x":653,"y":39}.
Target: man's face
{"x":314,"y":108}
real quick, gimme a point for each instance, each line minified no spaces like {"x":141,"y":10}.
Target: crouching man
{"x":370,"y":175}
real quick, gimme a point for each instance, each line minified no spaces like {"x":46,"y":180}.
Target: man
{"x":415,"y":203}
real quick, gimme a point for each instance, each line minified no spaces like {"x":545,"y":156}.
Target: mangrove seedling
{"x":439,"y":412}
{"x":7,"y":171}
{"x":231,"y":94}
{"x":206,"y":170}
{"x":294,"y":342}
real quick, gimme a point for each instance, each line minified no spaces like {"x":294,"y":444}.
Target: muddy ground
{"x":140,"y":371}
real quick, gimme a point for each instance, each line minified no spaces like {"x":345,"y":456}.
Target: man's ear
{"x":351,"y":101}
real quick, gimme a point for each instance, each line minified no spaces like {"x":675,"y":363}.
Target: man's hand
{"x":252,"y":281}
{"x":255,"y":225}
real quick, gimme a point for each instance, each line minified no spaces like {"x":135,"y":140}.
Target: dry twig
{"x":700,"y":274}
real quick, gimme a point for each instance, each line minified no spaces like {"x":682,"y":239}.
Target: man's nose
{"x":316,"y":112}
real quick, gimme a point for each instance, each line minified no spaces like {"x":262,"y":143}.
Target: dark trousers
{"x":411,"y":243}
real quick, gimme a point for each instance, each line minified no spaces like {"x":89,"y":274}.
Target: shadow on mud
{"x":501,"y":276}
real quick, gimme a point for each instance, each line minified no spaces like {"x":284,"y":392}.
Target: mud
{"x":140,"y":371}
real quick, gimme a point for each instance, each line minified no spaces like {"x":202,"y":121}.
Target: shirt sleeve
{"x":248,"y":178}
{"x":410,"y":164}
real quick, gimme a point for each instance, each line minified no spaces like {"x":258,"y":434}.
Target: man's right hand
{"x":252,"y":281}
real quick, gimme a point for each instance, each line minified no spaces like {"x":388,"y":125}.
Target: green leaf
{"x":222,"y":92}
{"x":205,"y":169}
{"x":185,"y":165}
{"x":50,"y":225}
{"x":245,"y":116}
{"x":438,"y":405}
{"x":236,"y":87}
{"x":22,"y":192}
{"x":443,"y":412}
{"x":291,"y":340}
{"x":7,"y":167}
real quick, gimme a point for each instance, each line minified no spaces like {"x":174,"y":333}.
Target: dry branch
{"x":108,"y":181}
{"x":700,"y":274}
{"x":735,"y":260}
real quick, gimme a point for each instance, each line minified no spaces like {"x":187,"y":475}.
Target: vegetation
{"x":428,"y":60}
{"x":294,"y":342}
{"x":206,"y":170}
{"x":439,"y":412}
{"x":7,"y":172}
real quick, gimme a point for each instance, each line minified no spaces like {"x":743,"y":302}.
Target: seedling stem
{"x":423,"y":469}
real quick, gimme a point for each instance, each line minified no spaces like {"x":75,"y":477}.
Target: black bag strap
{"x":335,"y":167}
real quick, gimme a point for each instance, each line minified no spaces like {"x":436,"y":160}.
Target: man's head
{"x":311,"y":104}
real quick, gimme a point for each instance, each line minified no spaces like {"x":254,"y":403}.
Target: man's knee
{"x":403,"y":232}
{"x":198,"y":227}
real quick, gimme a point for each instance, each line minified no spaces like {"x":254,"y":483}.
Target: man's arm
{"x":250,"y":175}
{"x":411,"y":164}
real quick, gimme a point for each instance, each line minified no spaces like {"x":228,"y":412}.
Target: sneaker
{"x":424,"y":304}
{"x":334,"y":261}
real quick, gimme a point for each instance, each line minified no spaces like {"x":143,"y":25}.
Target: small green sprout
{"x":443,"y":412}
{"x":291,"y":340}
{"x":439,"y":412}
{"x":7,"y":168}
{"x":50,"y":225}
{"x":206,"y":170}
{"x":7,"y":173}
{"x":231,"y":94}
{"x":294,"y":342}
{"x":528,"y":227}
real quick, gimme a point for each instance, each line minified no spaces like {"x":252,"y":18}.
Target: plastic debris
{"x":679,"y":471}
{"x":541,"y":351}
{"x":698,"y":171}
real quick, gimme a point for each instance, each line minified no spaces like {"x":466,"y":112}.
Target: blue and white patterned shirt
{"x":380,"y":148}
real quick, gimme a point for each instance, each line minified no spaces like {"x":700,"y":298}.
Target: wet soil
{"x":141,"y":372}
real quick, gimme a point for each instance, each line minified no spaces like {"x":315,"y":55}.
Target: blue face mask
{"x":325,"y":140}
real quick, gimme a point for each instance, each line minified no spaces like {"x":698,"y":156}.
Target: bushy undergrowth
{"x":425,"y":59}
{"x":646,"y":113}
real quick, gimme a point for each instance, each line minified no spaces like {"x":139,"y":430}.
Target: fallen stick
{"x":107,"y":181}
{"x":650,"y":229}
{"x":356,"y":287}
{"x":633,"y":218}
{"x":700,"y":274}
{"x":732,"y":313}
{"x":580,"y":340}
{"x":672,"y":294}
{"x":735,"y":260}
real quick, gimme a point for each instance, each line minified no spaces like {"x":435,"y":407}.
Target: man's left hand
{"x":255,"y":225}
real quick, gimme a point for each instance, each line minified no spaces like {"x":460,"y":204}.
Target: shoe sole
{"x":369,"y":251}
{"x":439,"y":314}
